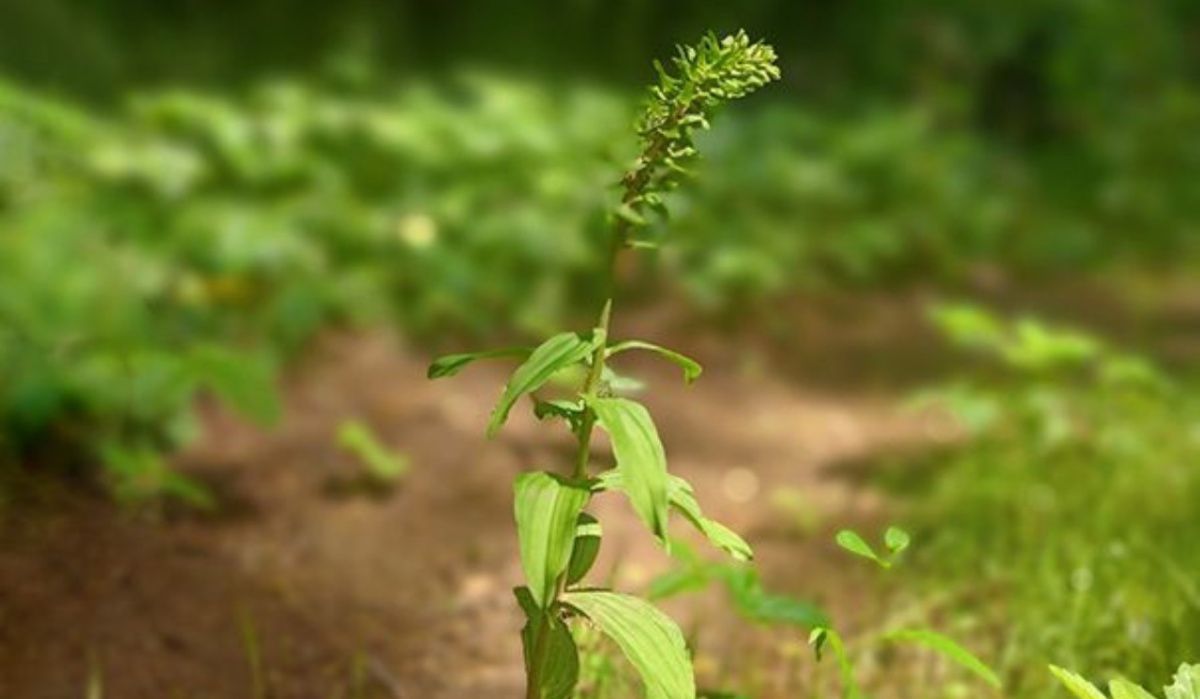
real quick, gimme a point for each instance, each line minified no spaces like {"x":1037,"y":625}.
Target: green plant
{"x":1043,"y":501}
{"x":559,"y":541}
{"x":1186,"y":685}
{"x":897,"y":541}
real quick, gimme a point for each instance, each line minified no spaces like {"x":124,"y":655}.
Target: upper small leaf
{"x":691,"y":368}
{"x":647,"y":637}
{"x":451,"y":364}
{"x":557,"y":353}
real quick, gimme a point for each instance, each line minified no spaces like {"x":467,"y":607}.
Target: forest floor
{"x":304,"y":585}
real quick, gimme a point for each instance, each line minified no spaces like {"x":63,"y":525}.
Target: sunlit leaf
{"x":948,"y":649}
{"x":641,"y":459}
{"x":1078,"y":686}
{"x":852,"y":542}
{"x":648,"y":638}
{"x":554,"y":354}
{"x":547,"y":509}
{"x":1124,"y":689}
{"x":1186,"y":684}
{"x":451,"y":364}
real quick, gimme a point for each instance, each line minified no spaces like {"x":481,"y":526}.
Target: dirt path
{"x":405,"y":595}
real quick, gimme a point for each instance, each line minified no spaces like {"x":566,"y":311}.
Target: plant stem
{"x":635,"y":181}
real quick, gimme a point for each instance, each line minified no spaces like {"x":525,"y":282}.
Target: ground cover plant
{"x":559,"y":541}
{"x":1069,"y":435}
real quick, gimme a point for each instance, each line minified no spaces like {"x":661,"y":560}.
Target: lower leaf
{"x":648,"y":638}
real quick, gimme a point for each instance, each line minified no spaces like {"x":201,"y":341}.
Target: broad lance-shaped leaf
{"x":557,"y":353}
{"x":647,"y":637}
{"x":588,"y":535}
{"x":560,"y":671}
{"x":1077,"y":685}
{"x":1186,"y":684}
{"x":691,"y":368}
{"x":682,"y":497}
{"x":451,"y":364}
{"x":948,"y":649}
{"x":546,"y":510}
{"x":641,"y":459}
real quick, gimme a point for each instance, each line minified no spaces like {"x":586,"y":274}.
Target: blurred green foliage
{"x":159,"y":242}
{"x":1070,"y":504}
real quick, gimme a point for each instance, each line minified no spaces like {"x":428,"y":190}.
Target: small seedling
{"x":382,"y":465}
{"x":558,"y":539}
{"x":895,"y":539}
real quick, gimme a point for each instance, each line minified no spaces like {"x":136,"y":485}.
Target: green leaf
{"x":691,"y":368}
{"x":381,"y":462}
{"x":1078,"y":686}
{"x":557,"y":353}
{"x":948,"y":649}
{"x":647,"y":637}
{"x":756,"y":604}
{"x":547,"y":509}
{"x":1186,"y":684}
{"x":641,"y":459}
{"x":1124,"y":689}
{"x":683,"y":498}
{"x":560,"y":668}
{"x":896,"y":539}
{"x":245,"y":382}
{"x":588,"y":535}
{"x":451,"y":364}
{"x":852,"y":542}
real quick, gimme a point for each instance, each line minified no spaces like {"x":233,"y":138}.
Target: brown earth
{"x":303,"y":585}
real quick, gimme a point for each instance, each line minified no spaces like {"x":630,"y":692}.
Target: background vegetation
{"x":191,"y":192}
